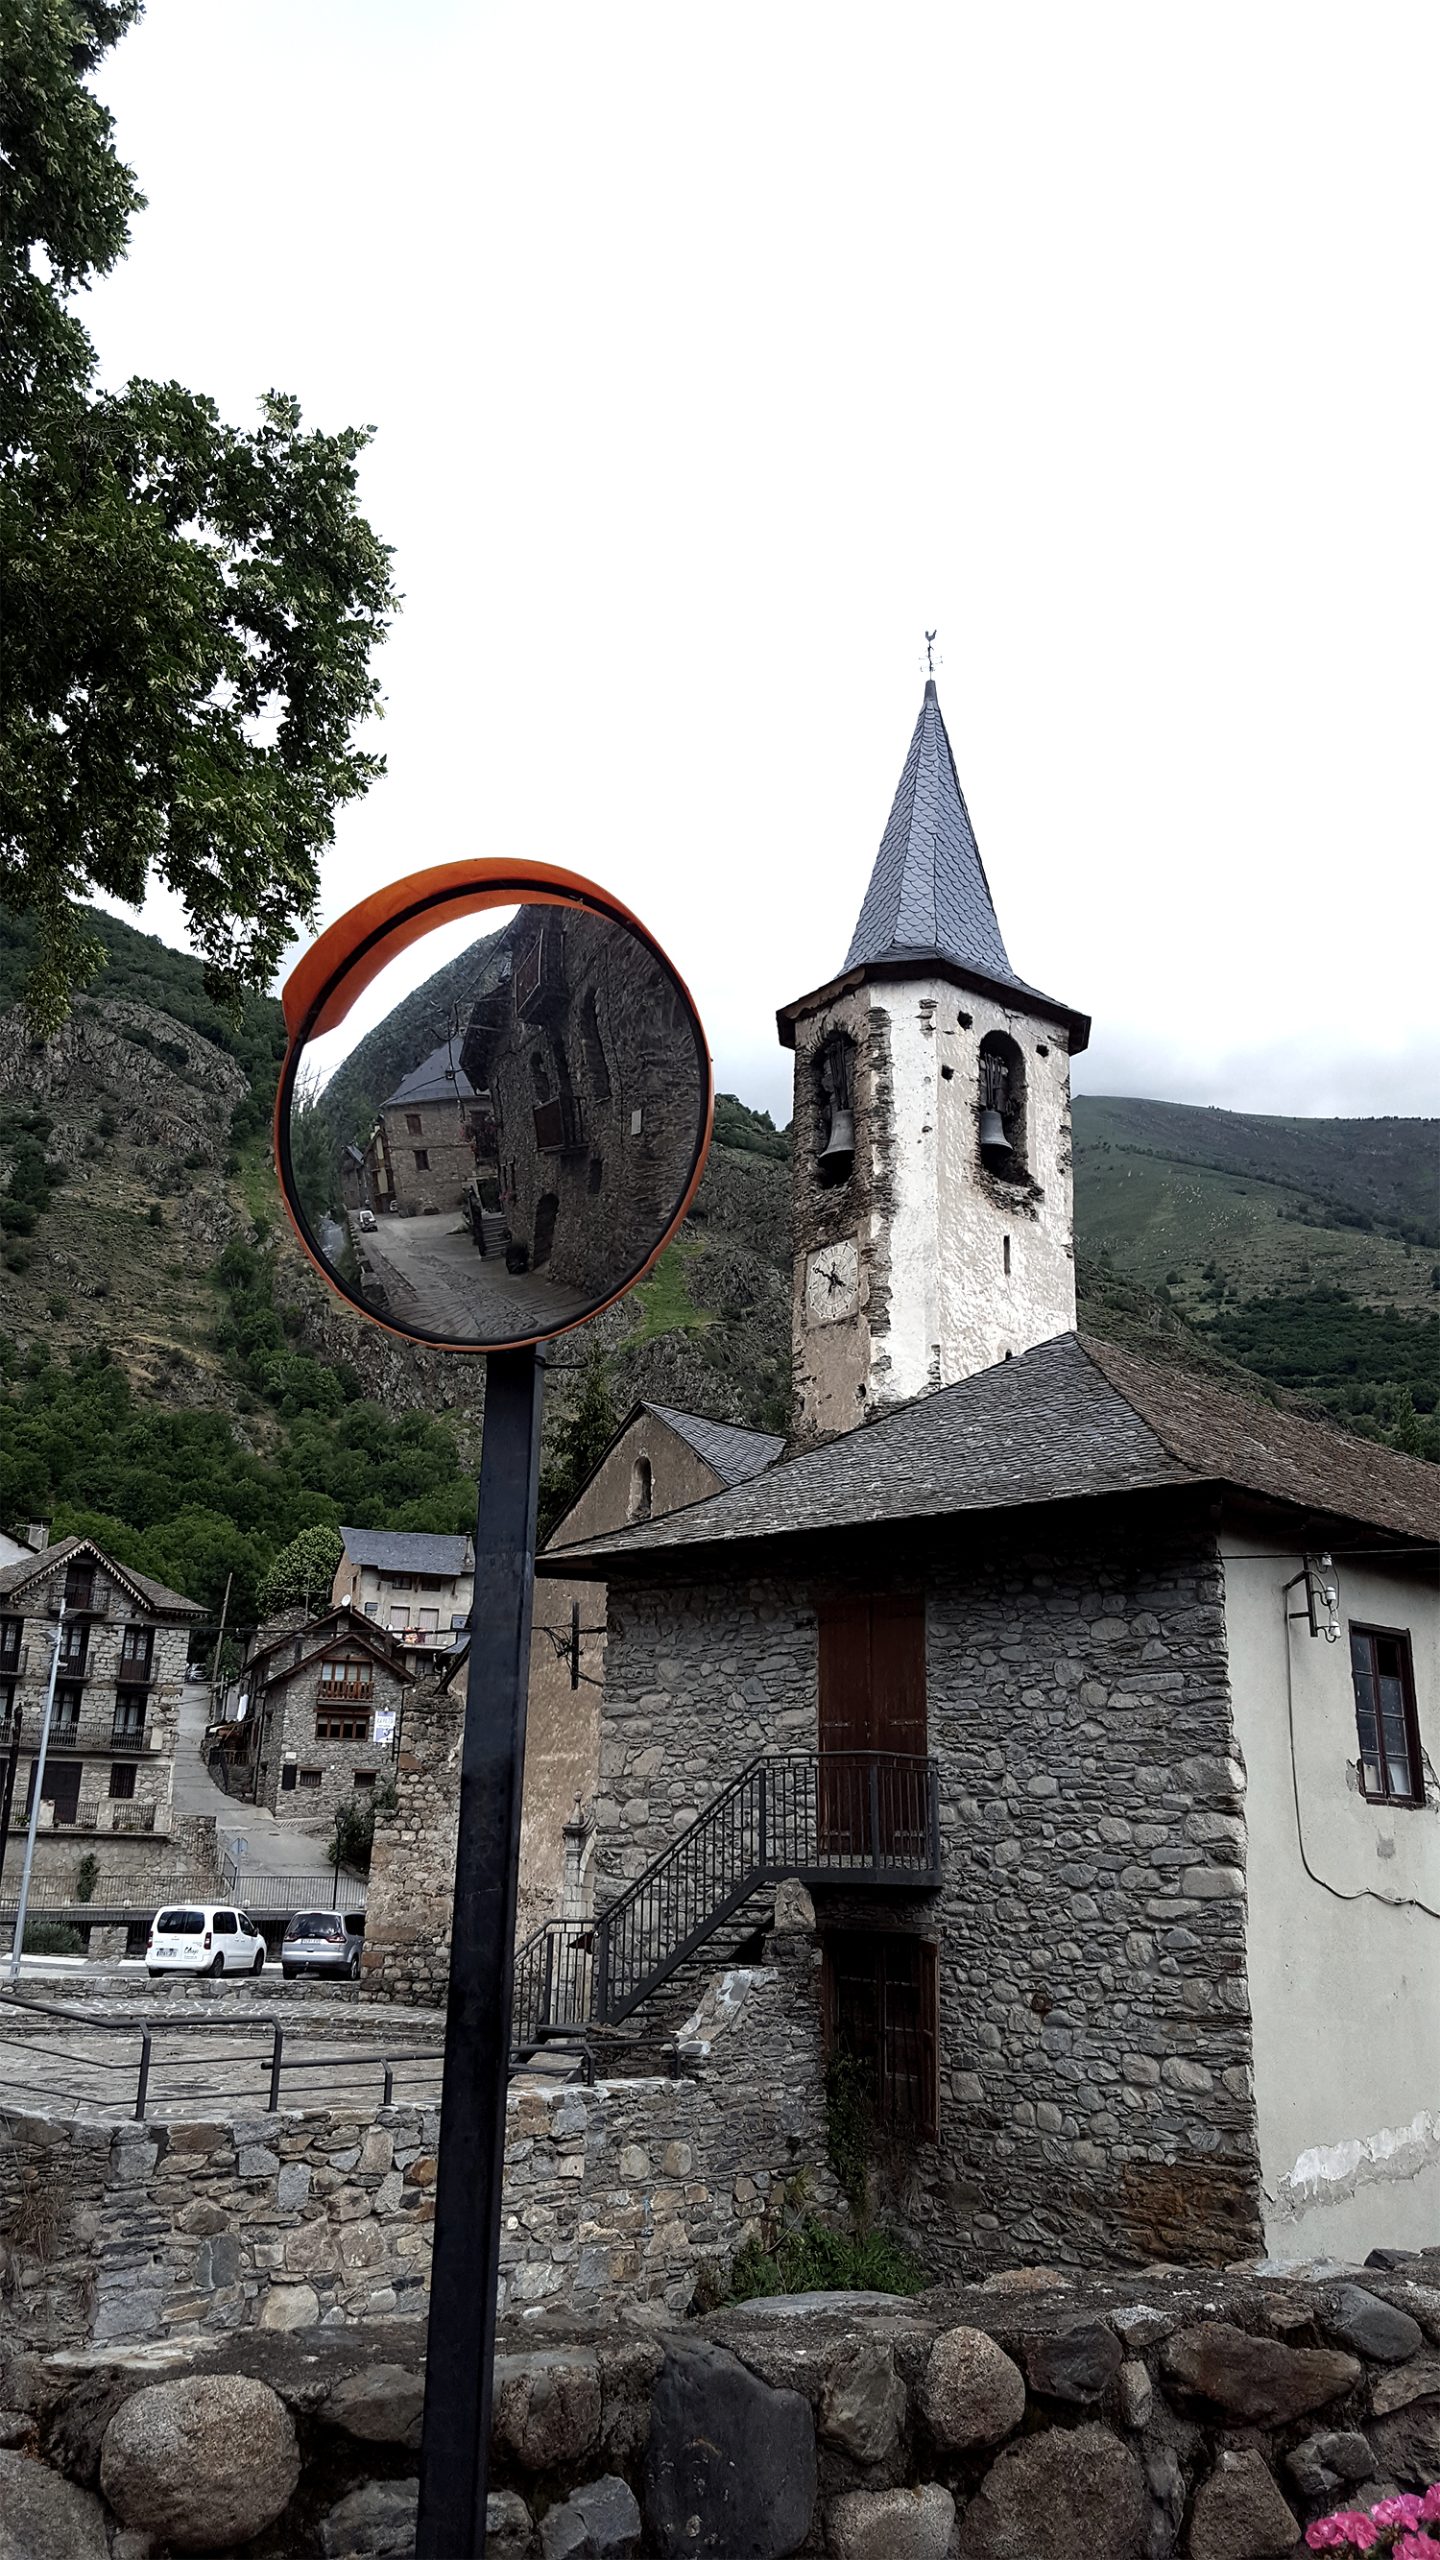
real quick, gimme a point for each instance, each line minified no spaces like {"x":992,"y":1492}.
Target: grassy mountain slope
{"x":173,"y":1373}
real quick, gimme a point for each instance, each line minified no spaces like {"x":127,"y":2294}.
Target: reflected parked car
{"x":204,"y":1937}
{"x":321,"y":1942}
{"x":365,"y":1218}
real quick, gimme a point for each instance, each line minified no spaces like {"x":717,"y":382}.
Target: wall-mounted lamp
{"x":1322,"y":1597}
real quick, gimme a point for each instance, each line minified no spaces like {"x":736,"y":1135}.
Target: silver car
{"x":321,"y":1942}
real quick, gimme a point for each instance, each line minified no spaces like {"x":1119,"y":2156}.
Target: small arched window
{"x":642,"y":1489}
{"x":1002,"y":1132}
{"x":540,"y":1076}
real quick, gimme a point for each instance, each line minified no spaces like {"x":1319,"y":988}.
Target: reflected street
{"x":427,"y":1270}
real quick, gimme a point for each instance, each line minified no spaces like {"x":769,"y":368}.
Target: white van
{"x":204,"y":1937}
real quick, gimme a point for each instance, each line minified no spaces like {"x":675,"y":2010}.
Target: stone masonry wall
{"x":412,"y":1865}
{"x":623,"y":2192}
{"x":1095,"y":2099}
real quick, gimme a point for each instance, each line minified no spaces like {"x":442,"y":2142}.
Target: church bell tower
{"x":933,"y":1214}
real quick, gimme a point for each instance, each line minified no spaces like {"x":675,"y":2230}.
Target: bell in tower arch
{"x":837,"y":1107}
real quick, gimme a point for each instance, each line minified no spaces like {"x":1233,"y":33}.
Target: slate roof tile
{"x":1070,"y":1419}
{"x":928,"y":891}
{"x":734,"y":1453}
{"x":408,"y":1551}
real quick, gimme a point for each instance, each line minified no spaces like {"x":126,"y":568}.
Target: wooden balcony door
{"x":873,"y":1729}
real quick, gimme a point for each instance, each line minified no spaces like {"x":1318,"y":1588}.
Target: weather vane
{"x":931,"y":660}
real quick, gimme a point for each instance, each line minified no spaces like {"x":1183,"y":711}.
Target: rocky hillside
{"x":175,"y":1374}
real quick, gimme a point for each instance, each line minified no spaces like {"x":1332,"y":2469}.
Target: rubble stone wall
{"x":1023,"y":2421}
{"x":623,"y":2192}
{"x":1095,"y":2093}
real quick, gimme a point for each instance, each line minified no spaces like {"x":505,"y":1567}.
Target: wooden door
{"x":872,"y":1722}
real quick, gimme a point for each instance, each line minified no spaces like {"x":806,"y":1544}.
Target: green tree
{"x":302,"y":1573}
{"x":581,"y":1434}
{"x":190,"y":609}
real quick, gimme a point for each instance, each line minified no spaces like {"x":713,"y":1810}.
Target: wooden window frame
{"x":1413,"y":1800}
{"x":924,"y":2126}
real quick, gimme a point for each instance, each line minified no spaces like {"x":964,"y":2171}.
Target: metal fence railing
{"x":331,"y":1889}
{"x":144,"y":2068}
{"x":871,"y":1816}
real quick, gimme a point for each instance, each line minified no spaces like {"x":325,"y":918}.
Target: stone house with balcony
{"x":124,"y":1639}
{"x":322,"y":1707}
{"x":416,"y":1585}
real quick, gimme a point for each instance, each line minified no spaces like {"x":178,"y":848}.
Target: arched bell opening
{"x":1002,"y":1135}
{"x":835,"y":1108}
{"x":642,"y":1490}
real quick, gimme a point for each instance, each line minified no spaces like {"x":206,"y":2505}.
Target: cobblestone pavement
{"x":213,"y":2071}
{"x":434,"y":1276}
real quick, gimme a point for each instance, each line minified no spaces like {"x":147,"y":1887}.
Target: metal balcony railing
{"x":816,"y":1815}
{"x":127,"y":1737}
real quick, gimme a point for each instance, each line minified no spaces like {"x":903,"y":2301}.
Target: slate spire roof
{"x":928,"y":891}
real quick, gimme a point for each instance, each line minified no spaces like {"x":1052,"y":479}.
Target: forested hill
{"x":173,"y":1376}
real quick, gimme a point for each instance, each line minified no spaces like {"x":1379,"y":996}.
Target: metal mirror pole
{"x":455,"y":2437}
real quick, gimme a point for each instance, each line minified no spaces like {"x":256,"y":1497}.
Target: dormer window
{"x":1002,"y":1107}
{"x":835,"y":1074}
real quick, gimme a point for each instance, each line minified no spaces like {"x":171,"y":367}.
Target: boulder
{"x":1137,"y":2393}
{"x":1372,"y":2327}
{"x":862,"y":2407}
{"x":971,"y":2393}
{"x":1404,"y":2383}
{"x":600,"y":2522}
{"x":1407,"y":2445}
{"x":382,"y":2404}
{"x":1323,"y":2463}
{"x":1239,"y":2513}
{"x":547,"y":2407}
{"x":509,"y":2534}
{"x":1076,"y":2363}
{"x":730,"y":2466}
{"x":373,"y":2523}
{"x":892,"y":2524}
{"x":1056,"y":2495}
{"x":43,"y":2517}
{"x":1255,"y":2379}
{"x":202,"y":2463}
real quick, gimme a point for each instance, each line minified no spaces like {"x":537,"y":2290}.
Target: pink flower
{"x":1402,"y":2510}
{"x":1415,"y":2546}
{"x":1358,"y":2529}
{"x":1430,"y":2505}
{"x":1332,"y":2533}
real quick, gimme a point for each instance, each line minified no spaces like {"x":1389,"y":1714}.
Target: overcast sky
{"x":716,"y":353}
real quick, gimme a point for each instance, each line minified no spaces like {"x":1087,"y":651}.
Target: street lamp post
{"x":37,"y":1781}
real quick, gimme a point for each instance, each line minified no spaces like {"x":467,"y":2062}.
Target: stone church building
{"x":1095,"y":1707}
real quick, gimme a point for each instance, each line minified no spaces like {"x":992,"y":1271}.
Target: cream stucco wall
{"x":1345,"y":1992}
{"x":562,"y":1730}
{"x":940,"y":1296}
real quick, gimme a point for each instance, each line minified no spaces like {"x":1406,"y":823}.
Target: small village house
{"x":322,"y":1701}
{"x":415,"y":1584}
{"x":108,"y":1784}
{"x":421,"y":1154}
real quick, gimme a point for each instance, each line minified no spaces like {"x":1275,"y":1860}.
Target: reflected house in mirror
{"x":421,"y":1154}
{"x":587,"y":1054}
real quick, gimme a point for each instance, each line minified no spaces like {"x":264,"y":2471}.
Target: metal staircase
{"x":820,"y":1816}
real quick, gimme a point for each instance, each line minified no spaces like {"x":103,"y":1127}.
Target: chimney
{"x":37,"y":1536}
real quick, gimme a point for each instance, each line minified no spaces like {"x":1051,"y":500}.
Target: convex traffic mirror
{"x":495,"y":1105}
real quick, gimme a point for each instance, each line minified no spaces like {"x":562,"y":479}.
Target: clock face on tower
{"x":832,"y":1282}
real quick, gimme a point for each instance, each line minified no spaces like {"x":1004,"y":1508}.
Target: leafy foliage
{"x":303,"y":1572}
{"x":813,"y":2258}
{"x":753,"y":1133}
{"x":353,"y":1840}
{"x":191,"y":608}
{"x":578,"y":1440}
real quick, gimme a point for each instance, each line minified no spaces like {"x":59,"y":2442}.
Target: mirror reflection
{"x":513,"y":1134}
